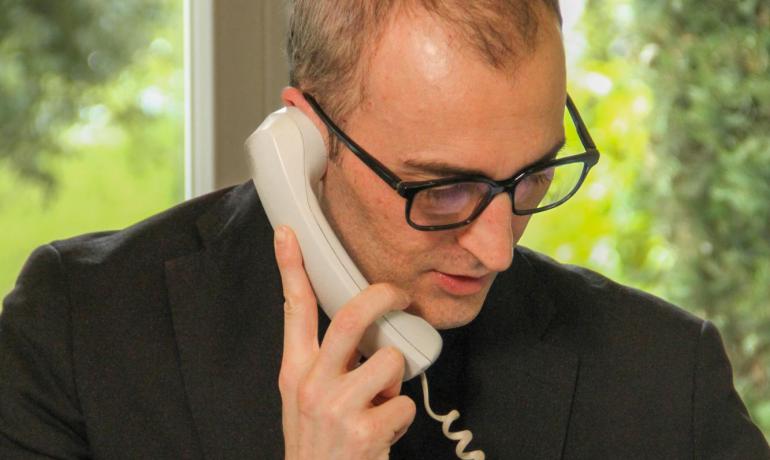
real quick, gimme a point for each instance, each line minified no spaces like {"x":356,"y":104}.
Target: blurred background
{"x":111,"y":111}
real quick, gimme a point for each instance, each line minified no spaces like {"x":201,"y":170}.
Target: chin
{"x":447,"y":313}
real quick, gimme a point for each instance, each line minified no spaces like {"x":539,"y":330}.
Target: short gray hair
{"x":327,"y":39}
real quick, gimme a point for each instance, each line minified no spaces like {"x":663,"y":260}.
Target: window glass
{"x":91,"y":119}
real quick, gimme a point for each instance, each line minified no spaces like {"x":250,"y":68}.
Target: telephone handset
{"x":288,"y":159}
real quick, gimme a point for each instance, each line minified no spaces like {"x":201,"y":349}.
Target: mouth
{"x":460,"y":285}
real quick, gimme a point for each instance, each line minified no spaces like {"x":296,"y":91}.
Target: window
{"x":92,"y":119}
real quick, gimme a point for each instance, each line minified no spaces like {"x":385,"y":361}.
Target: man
{"x":168,"y":339}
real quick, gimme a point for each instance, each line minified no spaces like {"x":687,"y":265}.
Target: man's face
{"x":432,"y":106}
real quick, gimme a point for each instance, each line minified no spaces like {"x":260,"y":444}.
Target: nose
{"x":490,"y":237}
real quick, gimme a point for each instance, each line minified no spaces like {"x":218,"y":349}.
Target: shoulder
{"x":126,"y":270}
{"x":622,"y":335}
{"x":165,"y":235}
{"x":660,"y":369}
{"x":598,"y":307}
{"x":95,"y":313}
{"x":225,"y":217}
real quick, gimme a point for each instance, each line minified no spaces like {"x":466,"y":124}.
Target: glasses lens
{"x":447,"y":204}
{"x":547,"y":187}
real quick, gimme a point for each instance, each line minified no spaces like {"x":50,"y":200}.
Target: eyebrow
{"x":440,"y":168}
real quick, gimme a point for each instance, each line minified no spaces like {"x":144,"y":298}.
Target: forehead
{"x":430,"y":98}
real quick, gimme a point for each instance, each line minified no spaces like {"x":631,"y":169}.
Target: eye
{"x":537,"y":182}
{"x":533,"y":188}
{"x":457,"y":200}
{"x":448,"y":198}
{"x":543,"y":177}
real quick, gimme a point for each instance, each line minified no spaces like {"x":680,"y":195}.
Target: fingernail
{"x":280,"y":235}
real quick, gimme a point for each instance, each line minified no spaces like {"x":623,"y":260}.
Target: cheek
{"x":380,"y":204}
{"x":386,"y":212}
{"x":373,"y":223}
{"x":518,"y":225}
{"x":377,"y":210}
{"x":381,"y":207}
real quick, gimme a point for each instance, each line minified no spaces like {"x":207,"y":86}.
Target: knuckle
{"x":363,"y":432}
{"x":293,"y":300}
{"x":290,"y":307}
{"x":384,"y":290}
{"x":410,"y":408}
{"x":334,"y":412}
{"x":394,"y":295}
{"x":347,"y":320}
{"x":394,"y":357}
{"x":287,"y":382}
{"x":309,"y":401}
{"x":295,"y":303}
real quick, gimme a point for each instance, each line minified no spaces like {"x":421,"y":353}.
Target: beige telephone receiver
{"x":288,"y":159}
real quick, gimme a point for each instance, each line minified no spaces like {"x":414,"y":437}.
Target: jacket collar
{"x":226,"y":305}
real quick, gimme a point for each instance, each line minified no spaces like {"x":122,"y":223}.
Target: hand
{"x":331,"y":409}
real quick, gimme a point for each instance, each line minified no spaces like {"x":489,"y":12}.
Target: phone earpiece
{"x":289,"y":159}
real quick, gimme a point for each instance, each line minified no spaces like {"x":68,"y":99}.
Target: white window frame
{"x":199,"y":97}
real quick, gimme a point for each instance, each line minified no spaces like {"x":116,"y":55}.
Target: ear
{"x":293,"y":97}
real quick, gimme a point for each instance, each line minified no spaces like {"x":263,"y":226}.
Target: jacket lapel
{"x":226,"y":306}
{"x":524,"y":397}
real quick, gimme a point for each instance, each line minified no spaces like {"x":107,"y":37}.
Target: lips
{"x":460,"y":285}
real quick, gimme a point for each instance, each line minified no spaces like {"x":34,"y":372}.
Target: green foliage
{"x":679,"y":202}
{"x":52,"y":54}
{"x":604,"y":227}
{"x":108,"y":131}
{"x":710,"y":184}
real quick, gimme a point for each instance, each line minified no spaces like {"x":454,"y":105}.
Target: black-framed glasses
{"x":452,"y":202}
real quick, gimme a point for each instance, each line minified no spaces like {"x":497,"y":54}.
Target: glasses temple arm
{"x":380,"y":169}
{"x":580,"y":126}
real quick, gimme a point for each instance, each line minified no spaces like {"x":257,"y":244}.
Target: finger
{"x":398,"y":414}
{"x":351,"y":321}
{"x":355,"y":361}
{"x":380,"y":375}
{"x":392,"y":391}
{"x":300,"y":336}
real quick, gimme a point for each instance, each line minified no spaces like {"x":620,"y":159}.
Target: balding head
{"x":331,"y":42}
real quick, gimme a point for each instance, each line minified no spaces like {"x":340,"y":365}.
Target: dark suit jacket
{"x":164,"y":341}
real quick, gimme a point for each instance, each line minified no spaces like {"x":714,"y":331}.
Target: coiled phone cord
{"x":463,"y":438}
